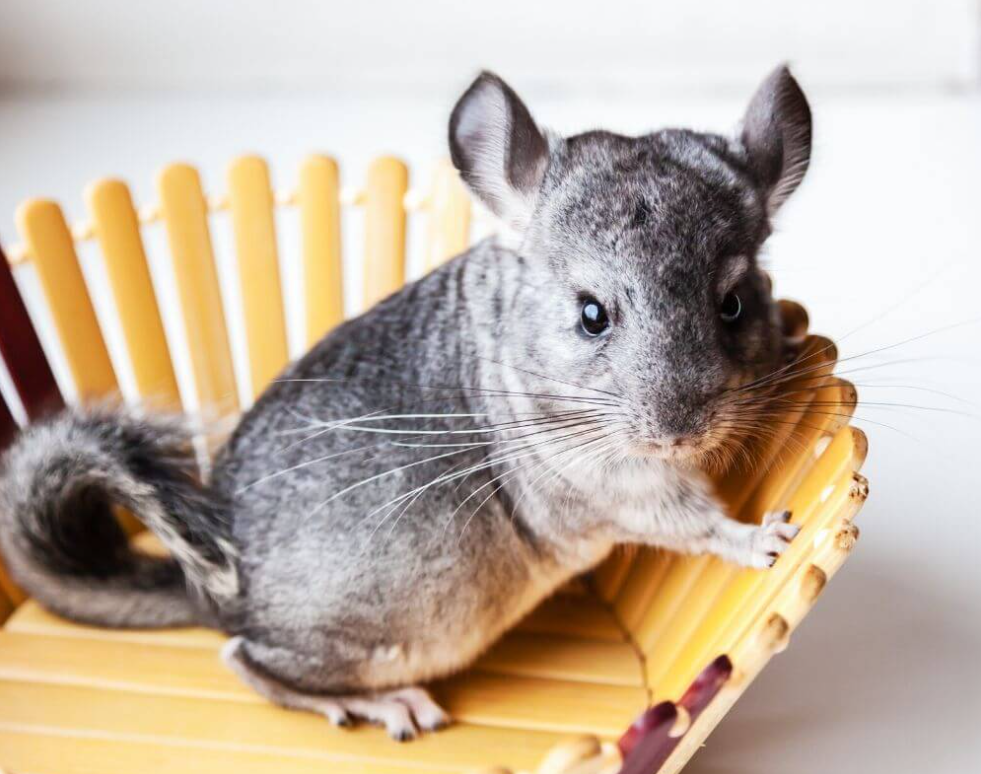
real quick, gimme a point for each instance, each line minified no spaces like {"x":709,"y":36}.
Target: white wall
{"x":574,"y":46}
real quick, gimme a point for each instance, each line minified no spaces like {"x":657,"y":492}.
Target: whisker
{"x":579,"y":448}
{"x":550,"y":427}
{"x":482,"y":391}
{"x":549,"y":378}
{"x":787,"y":402}
{"x":480,"y":429}
{"x":317,"y":434}
{"x":531,"y":485}
{"x":308,"y":463}
{"x":443,"y":478}
{"x":883,"y":383}
{"x":943,"y":329}
{"x":378,"y":476}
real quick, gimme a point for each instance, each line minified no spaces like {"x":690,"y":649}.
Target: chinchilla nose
{"x":679,"y":413}
{"x":679,"y":422}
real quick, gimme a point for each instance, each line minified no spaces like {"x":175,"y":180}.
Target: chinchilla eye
{"x":731,"y":308}
{"x":594,"y":319}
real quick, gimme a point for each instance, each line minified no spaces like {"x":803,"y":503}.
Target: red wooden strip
{"x":7,"y":425}
{"x":642,"y":743}
{"x":701,"y":692}
{"x":648,"y":743}
{"x":21,"y":351}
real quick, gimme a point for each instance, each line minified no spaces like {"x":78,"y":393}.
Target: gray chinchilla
{"x":434,"y":468}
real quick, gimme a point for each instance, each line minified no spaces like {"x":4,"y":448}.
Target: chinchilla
{"x":434,"y":468}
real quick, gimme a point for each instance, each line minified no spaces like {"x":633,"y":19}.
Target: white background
{"x":883,"y":236}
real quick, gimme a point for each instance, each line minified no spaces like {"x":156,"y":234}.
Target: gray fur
{"x":375,"y":550}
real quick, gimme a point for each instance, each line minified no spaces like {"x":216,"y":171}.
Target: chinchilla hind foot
{"x":404,"y":712}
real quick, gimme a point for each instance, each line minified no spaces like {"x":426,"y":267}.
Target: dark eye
{"x":594,"y":319}
{"x":731,"y":308}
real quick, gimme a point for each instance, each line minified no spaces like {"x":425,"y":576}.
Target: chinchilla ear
{"x":776,"y":133}
{"x":500,"y":152}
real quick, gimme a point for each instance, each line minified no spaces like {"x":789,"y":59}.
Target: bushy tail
{"x":58,"y":484}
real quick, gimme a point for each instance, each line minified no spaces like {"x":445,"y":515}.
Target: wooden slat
{"x":560,"y":615}
{"x":185,"y":216}
{"x":561,"y":706}
{"x":192,"y":724}
{"x":563,"y":658}
{"x":251,"y":202}
{"x":52,"y":252}
{"x":550,"y":655}
{"x":580,"y":616}
{"x":21,"y":350}
{"x":449,"y":216}
{"x":119,"y":665}
{"x":610,"y":576}
{"x":384,"y":223}
{"x":48,"y":752}
{"x":643,"y":579}
{"x":31,"y":618}
{"x":117,"y":229}
{"x":474,"y":697}
{"x":674,"y":584}
{"x":320,"y":219}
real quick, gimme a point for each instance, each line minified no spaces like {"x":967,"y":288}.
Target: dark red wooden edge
{"x":21,"y":351}
{"x":7,"y":425}
{"x":646,"y":745}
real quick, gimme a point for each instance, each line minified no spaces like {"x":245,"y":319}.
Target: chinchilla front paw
{"x":770,"y":539}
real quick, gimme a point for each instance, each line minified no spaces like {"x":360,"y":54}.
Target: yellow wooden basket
{"x":666,"y":640}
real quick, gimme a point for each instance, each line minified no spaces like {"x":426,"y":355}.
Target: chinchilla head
{"x":643,"y":254}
